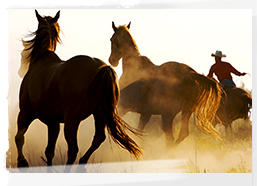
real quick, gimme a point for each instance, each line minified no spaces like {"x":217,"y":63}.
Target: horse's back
{"x":73,"y":79}
{"x":160,"y":92}
{"x":83,"y":63}
{"x":78,"y":72}
{"x":72,"y":75}
{"x":58,"y":86}
{"x":174,"y":70}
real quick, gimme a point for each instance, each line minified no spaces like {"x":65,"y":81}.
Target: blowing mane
{"x":44,"y":39}
{"x":25,"y":59}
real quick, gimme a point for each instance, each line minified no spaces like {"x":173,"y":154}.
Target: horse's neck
{"x":136,"y":62}
{"x":135,"y":67}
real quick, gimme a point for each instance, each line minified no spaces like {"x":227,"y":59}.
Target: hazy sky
{"x":187,"y":36}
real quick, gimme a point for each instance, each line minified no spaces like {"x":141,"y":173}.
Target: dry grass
{"x":231,"y":154}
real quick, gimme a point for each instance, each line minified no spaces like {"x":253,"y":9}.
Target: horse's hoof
{"x":23,"y":165}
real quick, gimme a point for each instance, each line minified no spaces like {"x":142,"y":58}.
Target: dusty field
{"x":199,"y":153}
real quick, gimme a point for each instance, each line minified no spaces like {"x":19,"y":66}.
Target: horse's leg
{"x":53,"y":132}
{"x":144,"y":119}
{"x":70,"y":132}
{"x":167,"y":122}
{"x":184,"y":131}
{"x":229,"y":131}
{"x":99,"y":136}
{"x":24,"y":120}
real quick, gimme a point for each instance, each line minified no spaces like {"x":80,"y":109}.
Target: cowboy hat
{"x":218,"y":54}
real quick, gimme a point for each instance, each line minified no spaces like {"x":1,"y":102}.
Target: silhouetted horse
{"x":56,"y":91}
{"x":236,"y":103}
{"x":166,"y":89}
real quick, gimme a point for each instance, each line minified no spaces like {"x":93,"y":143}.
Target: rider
{"x":223,"y":70}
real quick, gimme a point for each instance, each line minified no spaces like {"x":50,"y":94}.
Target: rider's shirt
{"x":223,"y":70}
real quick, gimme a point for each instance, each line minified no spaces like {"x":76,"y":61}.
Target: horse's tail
{"x":207,"y":102}
{"x":115,"y":125}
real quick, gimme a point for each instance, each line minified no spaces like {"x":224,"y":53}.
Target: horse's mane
{"x":25,"y":58}
{"x":45,"y":38}
{"x":126,"y":34}
{"x":25,"y":54}
{"x":146,"y":61}
{"x":123,"y":29}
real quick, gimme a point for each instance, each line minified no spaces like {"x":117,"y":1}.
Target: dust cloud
{"x":198,"y":153}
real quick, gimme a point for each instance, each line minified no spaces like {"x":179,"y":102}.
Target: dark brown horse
{"x":156,"y":97}
{"x":236,"y":103}
{"x":56,"y":91}
{"x":166,"y":89}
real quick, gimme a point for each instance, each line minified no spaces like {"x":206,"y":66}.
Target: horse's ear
{"x":128,"y":26}
{"x":57,"y":16}
{"x":114,"y":27}
{"x":39,"y":18}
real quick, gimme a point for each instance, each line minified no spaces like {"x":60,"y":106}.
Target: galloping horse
{"x":56,"y":91}
{"x":164,"y":90}
{"x":236,"y":103}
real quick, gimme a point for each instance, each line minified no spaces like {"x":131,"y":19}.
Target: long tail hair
{"x":115,"y":125}
{"x":207,"y":103}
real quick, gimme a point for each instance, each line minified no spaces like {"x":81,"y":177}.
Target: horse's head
{"x":50,"y":26}
{"x":48,"y":19}
{"x":247,"y":102}
{"x":45,"y":37}
{"x":238,"y":104}
{"x":120,"y":41}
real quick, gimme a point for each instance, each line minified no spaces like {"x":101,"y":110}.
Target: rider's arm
{"x":210,"y":75}
{"x":235,"y":71}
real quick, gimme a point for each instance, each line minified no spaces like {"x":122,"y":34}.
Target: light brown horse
{"x":56,"y":91}
{"x":166,"y":89}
